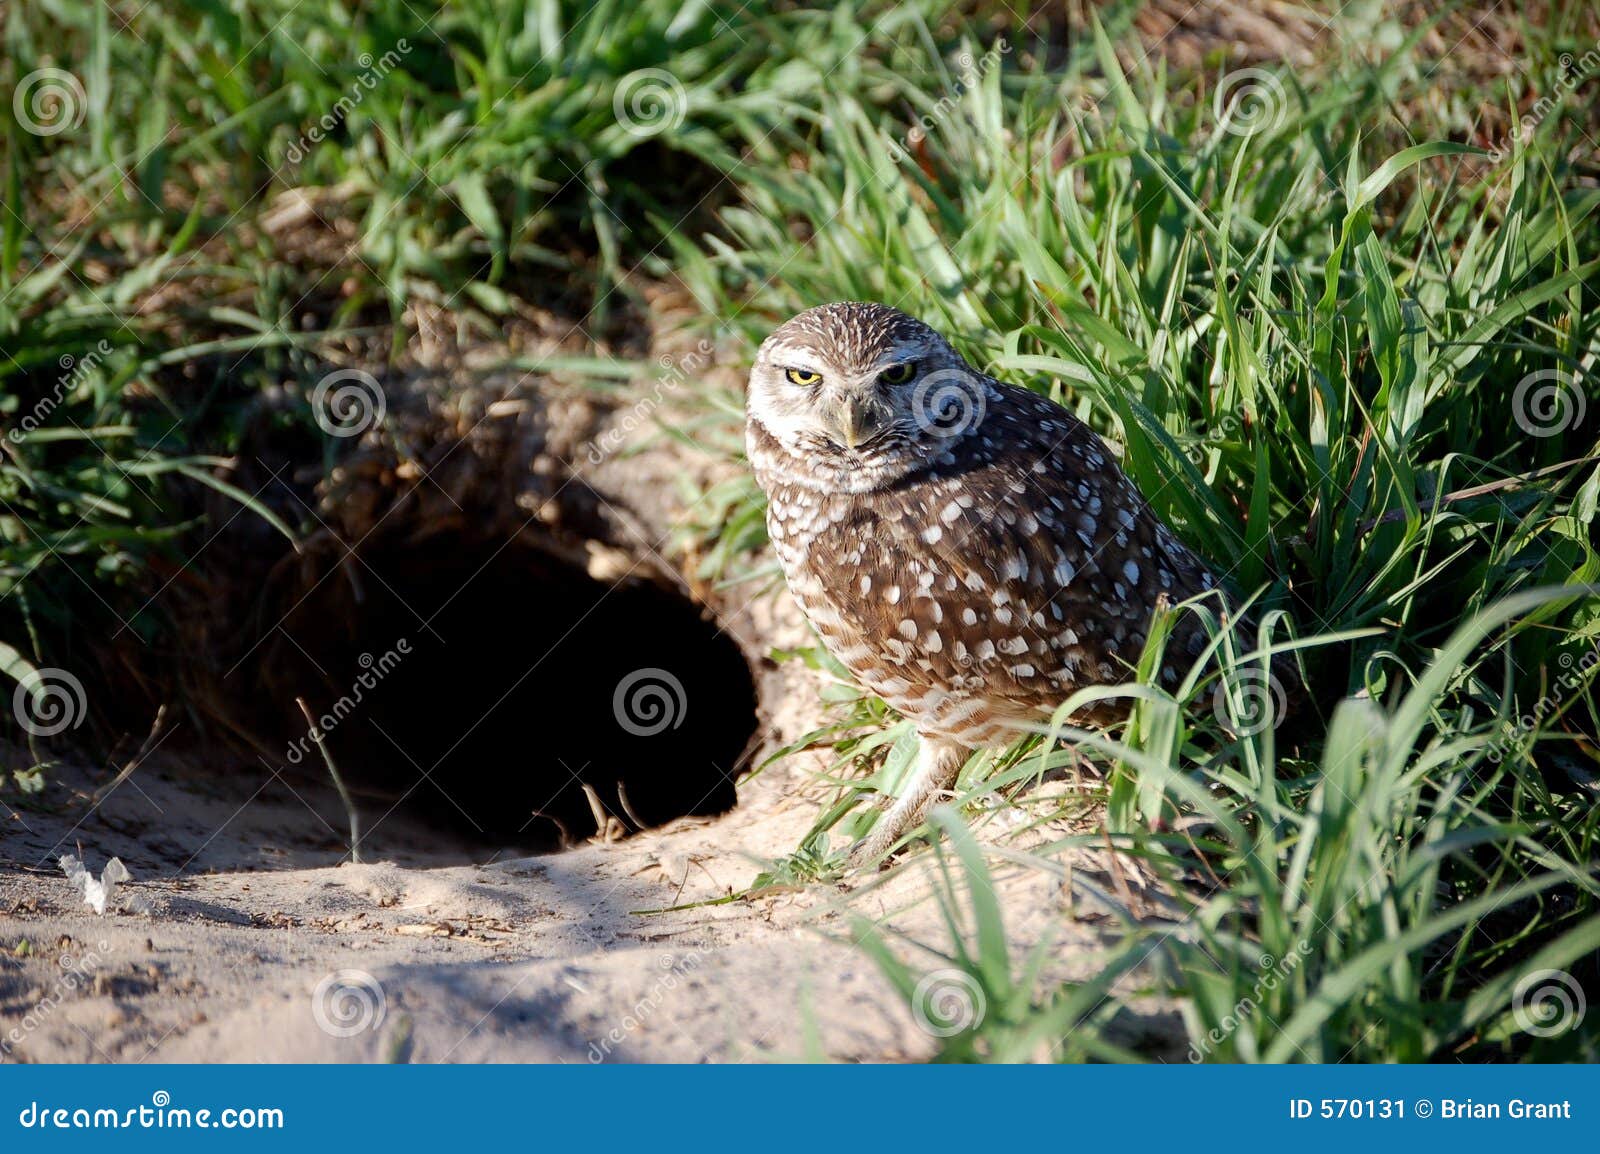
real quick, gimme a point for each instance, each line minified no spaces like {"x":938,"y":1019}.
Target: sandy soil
{"x":215,"y":952}
{"x":239,"y":941}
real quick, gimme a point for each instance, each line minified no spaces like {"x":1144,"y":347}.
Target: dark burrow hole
{"x":483,"y":688}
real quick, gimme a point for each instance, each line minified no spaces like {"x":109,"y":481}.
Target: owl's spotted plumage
{"x":970,"y":550}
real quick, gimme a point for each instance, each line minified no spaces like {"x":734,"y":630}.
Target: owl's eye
{"x":803,"y":376}
{"x":898,"y":374}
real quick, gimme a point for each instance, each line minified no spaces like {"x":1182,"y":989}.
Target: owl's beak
{"x":851,"y":422}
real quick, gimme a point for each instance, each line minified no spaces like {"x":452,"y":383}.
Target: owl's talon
{"x":873,"y":849}
{"x":938,"y":764}
{"x":859,"y":855}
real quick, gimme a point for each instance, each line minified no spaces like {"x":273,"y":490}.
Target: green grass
{"x":1320,"y":336}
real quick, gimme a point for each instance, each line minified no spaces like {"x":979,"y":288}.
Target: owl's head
{"x":854,"y":383}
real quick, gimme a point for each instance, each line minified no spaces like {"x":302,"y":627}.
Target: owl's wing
{"x":1028,"y":564}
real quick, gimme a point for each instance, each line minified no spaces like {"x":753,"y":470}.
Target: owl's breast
{"x":867,"y":573}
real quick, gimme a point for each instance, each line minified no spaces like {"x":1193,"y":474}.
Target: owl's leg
{"x":938,"y":763}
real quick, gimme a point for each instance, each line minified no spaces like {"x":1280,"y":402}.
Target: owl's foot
{"x":938,"y":765}
{"x":891,"y":828}
{"x":874,"y":848}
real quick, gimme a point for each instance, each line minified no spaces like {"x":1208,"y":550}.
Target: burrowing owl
{"x":968,"y":549}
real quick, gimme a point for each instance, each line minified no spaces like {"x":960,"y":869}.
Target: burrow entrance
{"x":485,"y":686}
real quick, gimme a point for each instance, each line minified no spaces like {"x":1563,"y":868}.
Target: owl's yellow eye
{"x":802,"y":376}
{"x":898,"y":374}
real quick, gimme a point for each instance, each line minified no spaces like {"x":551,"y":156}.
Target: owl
{"x":968,"y":549}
